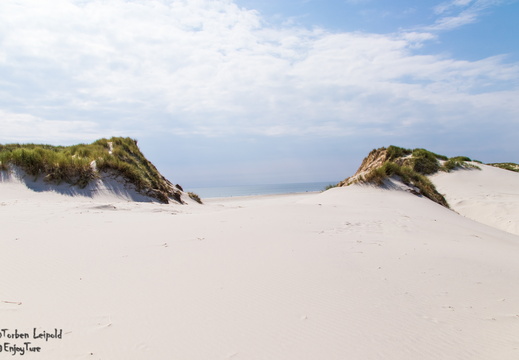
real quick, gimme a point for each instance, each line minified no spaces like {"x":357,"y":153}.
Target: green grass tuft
{"x":394,"y":152}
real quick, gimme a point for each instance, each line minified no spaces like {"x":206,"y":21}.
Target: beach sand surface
{"x":351,"y":273}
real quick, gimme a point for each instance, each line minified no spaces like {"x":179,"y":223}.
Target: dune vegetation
{"x":507,"y":166}
{"x":78,"y":165}
{"x":195,"y":197}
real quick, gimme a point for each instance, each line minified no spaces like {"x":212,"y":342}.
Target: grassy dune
{"x":411,"y":165}
{"x":78,"y":165}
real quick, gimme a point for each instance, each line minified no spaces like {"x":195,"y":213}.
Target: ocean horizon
{"x":260,"y":189}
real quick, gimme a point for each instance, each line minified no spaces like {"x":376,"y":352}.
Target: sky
{"x":232,"y":92}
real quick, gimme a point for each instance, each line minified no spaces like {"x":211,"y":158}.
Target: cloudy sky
{"x":227,"y":92}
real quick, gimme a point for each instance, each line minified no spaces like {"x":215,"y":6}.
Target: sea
{"x":263,"y":189}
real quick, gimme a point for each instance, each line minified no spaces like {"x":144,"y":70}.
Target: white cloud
{"x":457,"y":13}
{"x":208,"y":67}
{"x":446,"y":6}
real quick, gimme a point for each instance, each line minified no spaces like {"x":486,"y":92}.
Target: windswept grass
{"x":52,"y":164}
{"x":80,"y":164}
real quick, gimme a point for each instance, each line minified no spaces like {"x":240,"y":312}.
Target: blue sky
{"x":483,"y":28}
{"x":225,"y":92}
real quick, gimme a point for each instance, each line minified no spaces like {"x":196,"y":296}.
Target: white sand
{"x":352,"y":273}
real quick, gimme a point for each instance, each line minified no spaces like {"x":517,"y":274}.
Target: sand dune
{"x":17,"y":185}
{"x":489,"y":195}
{"x":352,"y":273}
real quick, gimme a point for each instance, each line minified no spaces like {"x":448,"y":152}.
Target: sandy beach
{"x":351,"y":273}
